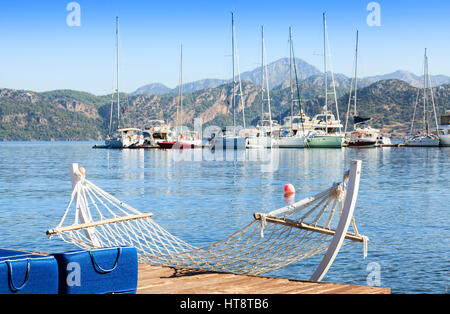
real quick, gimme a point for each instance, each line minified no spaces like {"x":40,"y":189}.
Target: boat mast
{"x":236,"y":54}
{"x":325,"y":68}
{"x":425,"y":117}
{"x":117,"y":72}
{"x":354,"y":82}
{"x":112,"y":104}
{"x":290,"y":75}
{"x":234,"y":81}
{"x":296,"y":83}
{"x":266,"y":76}
{"x":262,"y":76}
{"x":180,"y":91}
{"x":356,"y":71}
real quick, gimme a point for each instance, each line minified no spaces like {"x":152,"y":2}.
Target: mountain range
{"x":76,"y":115}
{"x":278,"y":73}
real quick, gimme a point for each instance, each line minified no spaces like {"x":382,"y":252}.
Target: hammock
{"x":315,"y":225}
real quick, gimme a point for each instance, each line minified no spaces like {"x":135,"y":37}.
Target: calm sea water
{"x":403,"y":204}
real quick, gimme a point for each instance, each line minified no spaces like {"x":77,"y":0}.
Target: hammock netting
{"x":271,"y":241}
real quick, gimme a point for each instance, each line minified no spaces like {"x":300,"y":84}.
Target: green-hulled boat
{"x":324,"y":141}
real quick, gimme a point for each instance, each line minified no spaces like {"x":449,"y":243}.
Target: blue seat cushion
{"x":99,"y":271}
{"x":22,"y":273}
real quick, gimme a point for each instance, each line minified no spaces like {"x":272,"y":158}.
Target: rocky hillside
{"x":390,"y":104}
{"x":72,"y":115}
{"x":58,"y":115}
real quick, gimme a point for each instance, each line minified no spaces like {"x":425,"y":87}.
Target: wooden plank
{"x":160,"y":280}
{"x":194,"y":285}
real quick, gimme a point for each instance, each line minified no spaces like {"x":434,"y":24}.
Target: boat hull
{"x":290,"y":142}
{"x":362,"y":144}
{"x":230,"y":143}
{"x":422,"y":142}
{"x":179,"y":145}
{"x":259,"y":142}
{"x":324,"y":141}
{"x":166,"y":145}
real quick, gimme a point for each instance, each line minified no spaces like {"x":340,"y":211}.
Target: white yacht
{"x":125,"y":138}
{"x":122,"y":137}
{"x":327,"y":129}
{"x":157,"y":131}
{"x":230,"y":137}
{"x":267,"y":127}
{"x":264,"y":137}
{"x":424,"y":138}
{"x":422,"y":141}
{"x":295,"y":127}
{"x":294,"y":132}
{"x":362,"y":136}
{"x":326,"y":132}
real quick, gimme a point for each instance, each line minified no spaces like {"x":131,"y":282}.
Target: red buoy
{"x":289,"y":190}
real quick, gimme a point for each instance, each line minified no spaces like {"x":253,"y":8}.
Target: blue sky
{"x":40,"y":52}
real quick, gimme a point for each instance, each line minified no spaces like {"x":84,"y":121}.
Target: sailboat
{"x":266,"y":125}
{"x":295,"y":127}
{"x":362,"y":136}
{"x":183,"y":139}
{"x":327,"y":129}
{"x":425,"y":138}
{"x":230,"y":138}
{"x":122,"y":137}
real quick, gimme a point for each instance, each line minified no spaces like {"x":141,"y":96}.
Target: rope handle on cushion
{"x":12,"y":286}
{"x":101,"y":270}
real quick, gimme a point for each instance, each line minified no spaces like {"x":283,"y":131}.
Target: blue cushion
{"x":106,"y":270}
{"x":22,"y":273}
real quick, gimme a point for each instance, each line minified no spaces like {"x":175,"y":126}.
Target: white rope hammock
{"x":269,"y":242}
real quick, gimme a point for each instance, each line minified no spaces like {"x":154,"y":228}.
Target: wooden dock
{"x":165,"y":280}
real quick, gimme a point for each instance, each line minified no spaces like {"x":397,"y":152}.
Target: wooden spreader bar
{"x":302,"y":225}
{"x":97,"y":223}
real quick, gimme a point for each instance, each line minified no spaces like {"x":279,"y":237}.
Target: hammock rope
{"x":271,"y":241}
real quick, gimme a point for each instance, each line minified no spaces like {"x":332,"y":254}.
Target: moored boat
{"x":324,"y":140}
{"x":125,"y":138}
{"x":424,"y":137}
{"x":157,"y":131}
{"x":326,"y":133}
{"x":364,"y":138}
{"x":422,"y":141}
{"x":327,"y":129}
{"x":122,"y":137}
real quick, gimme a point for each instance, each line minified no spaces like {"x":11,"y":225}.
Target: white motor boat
{"x":295,"y":141}
{"x":125,"y":138}
{"x":157,"y":131}
{"x":422,"y":141}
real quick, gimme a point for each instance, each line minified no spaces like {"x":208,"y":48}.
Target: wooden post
{"x":82,"y":209}
{"x":344,"y":222}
